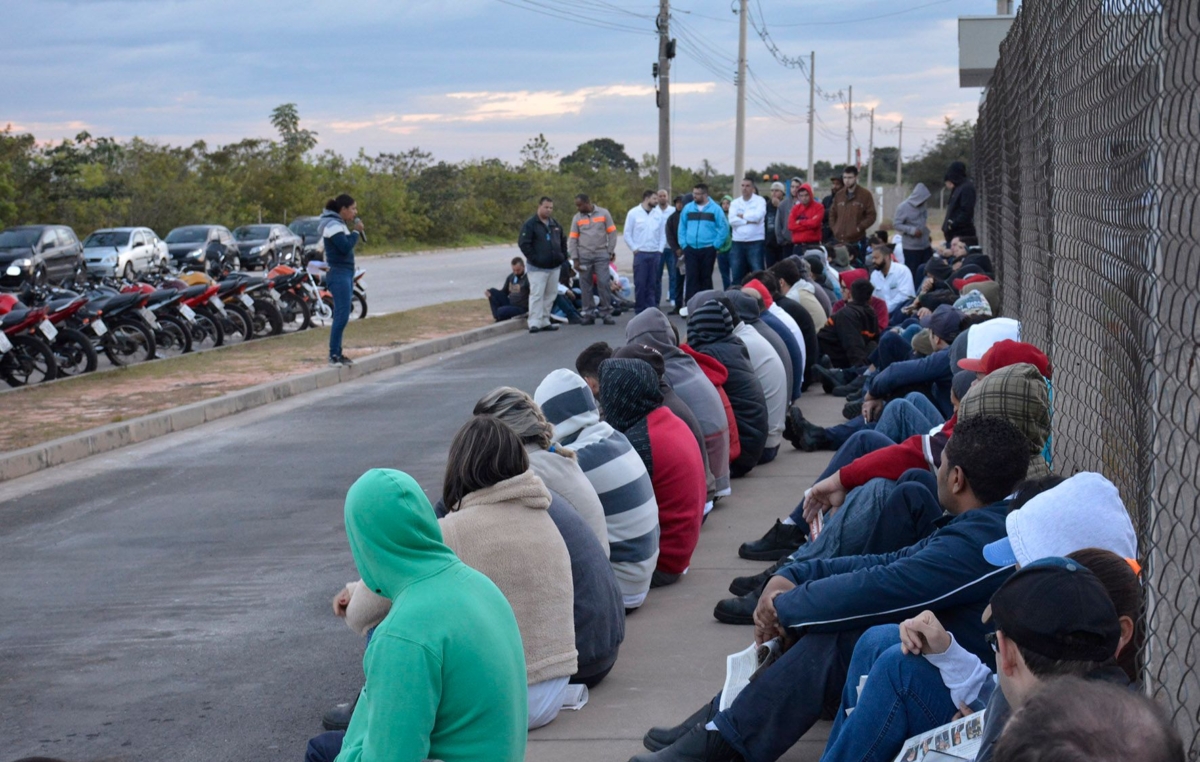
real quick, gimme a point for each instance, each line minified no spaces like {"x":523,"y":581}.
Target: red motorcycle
{"x":25,"y":356}
{"x":73,"y":350}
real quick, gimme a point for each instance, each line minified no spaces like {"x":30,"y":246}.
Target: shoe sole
{"x":725,"y":618}
{"x":765,"y":555}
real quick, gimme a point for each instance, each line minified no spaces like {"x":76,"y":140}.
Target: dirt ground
{"x":41,"y":413}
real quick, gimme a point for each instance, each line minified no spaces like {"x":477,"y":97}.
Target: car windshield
{"x":106,"y":238}
{"x":188,"y":235}
{"x":11,"y":239}
{"x":304,"y":227}
{"x":252,"y":233}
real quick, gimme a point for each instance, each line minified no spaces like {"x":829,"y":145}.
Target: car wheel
{"x":129,"y":274}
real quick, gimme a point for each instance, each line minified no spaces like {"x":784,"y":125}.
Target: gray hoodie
{"x":910,"y":217}
{"x":785,"y":208}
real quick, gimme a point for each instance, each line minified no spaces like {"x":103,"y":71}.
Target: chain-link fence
{"x":1088,"y":154}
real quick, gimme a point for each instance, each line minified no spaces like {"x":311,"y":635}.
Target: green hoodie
{"x":445,"y":671}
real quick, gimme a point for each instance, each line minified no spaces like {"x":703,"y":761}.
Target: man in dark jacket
{"x":835,"y":187}
{"x":828,"y":604}
{"x":852,"y":214}
{"x":544,"y":245}
{"x":512,"y":298}
{"x":671,"y":233}
{"x":960,"y":211}
{"x":851,"y":332}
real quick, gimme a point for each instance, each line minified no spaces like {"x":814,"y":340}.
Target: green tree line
{"x":405,"y":198}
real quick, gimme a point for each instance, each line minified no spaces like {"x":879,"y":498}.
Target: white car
{"x":124,"y":251}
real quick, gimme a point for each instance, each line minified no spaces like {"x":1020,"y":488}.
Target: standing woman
{"x":339,"y":255}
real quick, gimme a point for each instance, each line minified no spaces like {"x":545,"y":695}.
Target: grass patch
{"x":77,"y":404}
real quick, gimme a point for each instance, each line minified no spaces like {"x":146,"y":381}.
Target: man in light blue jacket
{"x":702,"y":228}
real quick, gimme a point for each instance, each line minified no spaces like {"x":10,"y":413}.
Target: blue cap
{"x":1000,"y":553}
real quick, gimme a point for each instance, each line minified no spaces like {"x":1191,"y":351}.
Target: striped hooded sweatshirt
{"x":652,"y":329}
{"x":616,"y":472}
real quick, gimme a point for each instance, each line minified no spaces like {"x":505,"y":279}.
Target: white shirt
{"x":895,"y":288}
{"x":644,"y":230}
{"x":746,"y":218}
{"x":663,"y":216}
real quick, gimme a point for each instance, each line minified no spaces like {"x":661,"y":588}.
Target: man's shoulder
{"x":599,"y":211}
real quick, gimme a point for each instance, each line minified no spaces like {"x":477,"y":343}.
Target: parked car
{"x":39,"y":254}
{"x":203,"y":247}
{"x":314,"y":245}
{"x":267,"y":245}
{"x":124,"y":251}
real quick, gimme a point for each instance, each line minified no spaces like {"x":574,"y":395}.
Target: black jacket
{"x":805,"y":321}
{"x":847,"y":337}
{"x":543,"y":244}
{"x":960,"y":211}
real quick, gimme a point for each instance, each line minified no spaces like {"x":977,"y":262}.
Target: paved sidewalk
{"x":673,"y":658}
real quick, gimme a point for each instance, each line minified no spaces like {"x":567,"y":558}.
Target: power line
{"x":870,"y":20}
{"x":556,"y":12}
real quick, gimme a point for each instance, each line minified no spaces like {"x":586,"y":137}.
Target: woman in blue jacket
{"x":339,"y":255}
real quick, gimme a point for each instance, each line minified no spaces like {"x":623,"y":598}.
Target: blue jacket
{"x":932,"y":373}
{"x":699,"y":228}
{"x":339,"y":241}
{"x":945,"y":573}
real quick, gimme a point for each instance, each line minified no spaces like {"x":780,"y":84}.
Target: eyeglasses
{"x":990,"y":638}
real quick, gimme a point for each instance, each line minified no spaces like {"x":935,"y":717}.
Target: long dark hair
{"x":485,"y":451}
{"x":339,"y":203}
{"x":1121,"y":582}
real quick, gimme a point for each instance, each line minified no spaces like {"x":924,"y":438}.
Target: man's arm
{"x":681,"y":231}
{"x":400,"y":721}
{"x":631,"y":224}
{"x":885,"y":463}
{"x":611,"y":236}
{"x":923,"y":370}
{"x":525,"y":240}
{"x":573,"y":239}
{"x":756,"y":210}
{"x":722,"y":227}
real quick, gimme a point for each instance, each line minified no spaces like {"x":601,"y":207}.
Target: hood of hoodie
{"x":568,"y":404}
{"x":746,"y":305}
{"x":628,"y":391}
{"x":328,"y":218}
{"x":758,"y":286}
{"x":920,"y":194}
{"x":957,"y":172}
{"x":647,"y":354}
{"x":802,"y":184}
{"x":1019,"y":395}
{"x":812,"y":197}
{"x":652,"y":328}
{"x":708,"y":324}
{"x":701,"y":297}
{"x":714,"y":370}
{"x":393,"y":532}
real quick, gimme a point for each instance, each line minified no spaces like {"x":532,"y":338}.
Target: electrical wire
{"x":556,"y":12}
{"x":870,"y":20}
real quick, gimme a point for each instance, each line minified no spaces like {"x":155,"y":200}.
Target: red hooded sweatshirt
{"x":918,"y":451}
{"x":805,"y":221}
{"x":679,"y":487}
{"x":718,"y":375}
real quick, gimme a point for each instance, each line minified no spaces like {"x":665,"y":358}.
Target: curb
{"x":107,"y":438}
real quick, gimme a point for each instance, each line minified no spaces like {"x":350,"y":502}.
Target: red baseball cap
{"x":959,"y":283}
{"x":850,"y":276}
{"x":1006,"y":353}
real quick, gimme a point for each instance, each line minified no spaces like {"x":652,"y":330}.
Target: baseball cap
{"x":982,"y":336}
{"x":959,"y":283}
{"x":945,"y":322}
{"x":849,"y":276}
{"x":1059,"y":609}
{"x":1008,"y":352}
{"x":1084,"y":511}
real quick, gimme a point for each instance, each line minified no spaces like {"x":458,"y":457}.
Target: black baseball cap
{"x":1057,"y":608}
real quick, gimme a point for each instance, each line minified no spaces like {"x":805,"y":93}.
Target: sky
{"x":467,"y":79}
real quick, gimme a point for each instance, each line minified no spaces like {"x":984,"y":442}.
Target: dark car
{"x":203,"y":247}
{"x":267,"y":245}
{"x":39,"y":253}
{"x":314,"y":245}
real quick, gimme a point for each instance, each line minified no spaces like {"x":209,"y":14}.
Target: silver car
{"x":124,"y":251}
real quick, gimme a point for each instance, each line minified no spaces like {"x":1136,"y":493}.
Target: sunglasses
{"x":990,"y":639}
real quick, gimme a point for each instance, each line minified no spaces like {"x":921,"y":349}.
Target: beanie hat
{"x":708,"y":324}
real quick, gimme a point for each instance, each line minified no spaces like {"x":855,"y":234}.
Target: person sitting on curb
{"x":511,"y":300}
{"x":852,"y":331}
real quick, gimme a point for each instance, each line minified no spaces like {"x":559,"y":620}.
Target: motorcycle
{"x":25,"y":356}
{"x":73,"y":350}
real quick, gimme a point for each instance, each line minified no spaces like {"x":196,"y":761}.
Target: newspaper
{"x":952,"y":742}
{"x":743,"y":666}
{"x":574,"y":697}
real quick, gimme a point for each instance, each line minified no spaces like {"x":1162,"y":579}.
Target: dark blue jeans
{"x":698,"y":270}
{"x":325,"y":747}
{"x":646,"y":271}
{"x":745,"y":257}
{"x":340,"y":283}
{"x":787,"y":699}
{"x":856,"y":446}
{"x":891,"y":348}
{"x":901,"y":419}
{"x":904,"y":695}
{"x":909,"y":513}
{"x":723,"y":268}
{"x":501,"y":308}
{"x":667,"y":262}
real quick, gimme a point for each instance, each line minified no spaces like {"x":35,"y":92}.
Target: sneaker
{"x":335,"y":362}
{"x":779,"y":541}
{"x":738,"y":610}
{"x":588,"y":321}
{"x":659,"y":738}
{"x":534,"y":329}
{"x":852,"y":410}
{"x":697,"y":745}
{"x":551,"y":327}
{"x":610,"y":321}
{"x":743,"y":585}
{"x":830,"y":377}
{"x":338,"y":718}
{"x":346,"y":361}
{"x":854,"y":387}
{"x":558,"y":319}
{"x":814,"y":438}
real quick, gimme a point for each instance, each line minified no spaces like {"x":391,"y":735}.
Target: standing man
{"x":893,"y":282}
{"x":667,"y":259}
{"x":675,"y":251}
{"x":747,"y":215}
{"x":702,"y":228}
{"x":782,"y":234}
{"x":545,"y":249}
{"x":644,"y":237}
{"x":910,"y":219}
{"x":960,"y":211}
{"x":773,"y":247}
{"x":592,"y":244}
{"x":804,"y":221}
{"x":835,"y":186}
{"x":852,"y":213}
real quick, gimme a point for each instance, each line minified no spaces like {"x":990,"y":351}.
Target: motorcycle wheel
{"x":358,"y":306}
{"x":238,"y":323}
{"x":173,"y":337}
{"x":207,"y":331}
{"x":30,"y":361}
{"x":295,"y":313}
{"x":128,"y":342}
{"x":268,"y":321}
{"x":74,"y":353}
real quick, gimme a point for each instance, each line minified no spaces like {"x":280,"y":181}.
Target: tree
{"x":537,"y":154}
{"x":885,"y":164}
{"x":296,"y":141}
{"x":597,"y":154}
{"x":955,"y":143}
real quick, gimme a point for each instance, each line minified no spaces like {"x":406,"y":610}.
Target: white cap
{"x":1084,"y":511}
{"x":983,"y":335}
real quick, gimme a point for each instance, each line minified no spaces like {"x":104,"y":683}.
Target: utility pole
{"x":812,"y":113}
{"x":900,"y":157}
{"x":871,"y":153}
{"x":739,"y":144}
{"x":663,"y":96}
{"x":849,"y":123}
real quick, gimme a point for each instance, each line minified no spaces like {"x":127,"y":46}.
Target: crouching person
{"x":445,"y":671}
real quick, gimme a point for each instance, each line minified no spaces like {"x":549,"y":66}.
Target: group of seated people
{"x":936,"y":568}
{"x":511,"y":300}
